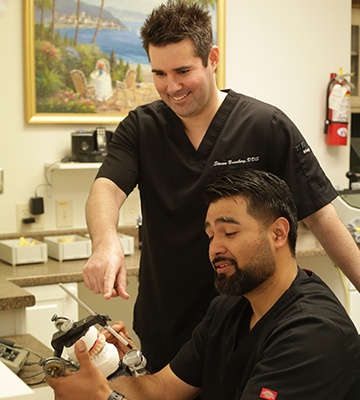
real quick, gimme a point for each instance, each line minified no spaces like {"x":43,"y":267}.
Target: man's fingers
{"x":113,"y":288}
{"x":91,"y":279}
{"x":82,"y":354}
{"x":120,"y":284}
{"x":109,"y":287}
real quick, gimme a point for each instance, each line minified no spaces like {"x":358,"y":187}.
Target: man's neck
{"x":267,"y":294}
{"x":196,"y":126}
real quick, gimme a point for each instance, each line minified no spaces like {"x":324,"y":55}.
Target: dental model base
{"x":104,"y":355}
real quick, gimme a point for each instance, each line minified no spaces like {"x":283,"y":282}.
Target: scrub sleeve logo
{"x":268,"y":394}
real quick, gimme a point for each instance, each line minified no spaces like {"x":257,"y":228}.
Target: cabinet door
{"x":50,"y":300}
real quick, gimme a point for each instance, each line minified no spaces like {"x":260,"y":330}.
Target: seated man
{"x":275,"y":332}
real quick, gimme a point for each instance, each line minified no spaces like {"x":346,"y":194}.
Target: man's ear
{"x":214,"y":56}
{"x":280,"y":230}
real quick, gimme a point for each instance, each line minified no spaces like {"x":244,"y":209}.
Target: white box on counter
{"x":127,"y":242}
{"x":23,"y":251}
{"x":68,"y":247}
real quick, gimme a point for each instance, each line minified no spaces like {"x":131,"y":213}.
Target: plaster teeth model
{"x":98,"y":345}
{"x":104,"y":355}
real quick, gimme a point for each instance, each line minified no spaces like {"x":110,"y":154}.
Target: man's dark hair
{"x":268,"y":197}
{"x":178,"y":20}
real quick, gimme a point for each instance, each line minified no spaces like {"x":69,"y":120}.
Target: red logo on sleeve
{"x":268,"y":394}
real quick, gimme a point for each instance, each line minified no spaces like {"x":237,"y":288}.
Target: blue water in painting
{"x":126,"y":44}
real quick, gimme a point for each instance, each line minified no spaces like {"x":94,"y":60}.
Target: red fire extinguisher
{"x":337,"y":110}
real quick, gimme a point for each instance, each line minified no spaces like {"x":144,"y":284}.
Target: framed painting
{"x":84,"y":62}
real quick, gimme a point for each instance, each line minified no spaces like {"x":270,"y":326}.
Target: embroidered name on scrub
{"x":238,"y":161}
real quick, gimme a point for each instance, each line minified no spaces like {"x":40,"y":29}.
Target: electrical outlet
{"x":23,"y":211}
{"x":64,"y":214}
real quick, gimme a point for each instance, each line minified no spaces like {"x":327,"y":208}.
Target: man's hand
{"x":120,"y":328}
{"x":105,"y":272}
{"x":86,"y":384}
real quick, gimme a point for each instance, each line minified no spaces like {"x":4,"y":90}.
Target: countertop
{"x":12,"y":279}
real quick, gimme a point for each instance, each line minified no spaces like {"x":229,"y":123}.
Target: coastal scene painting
{"x":84,"y":61}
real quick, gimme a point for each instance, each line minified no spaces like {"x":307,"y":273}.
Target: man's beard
{"x":250,"y":276}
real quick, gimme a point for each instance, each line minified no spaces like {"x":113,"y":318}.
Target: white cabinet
{"x":50,"y":300}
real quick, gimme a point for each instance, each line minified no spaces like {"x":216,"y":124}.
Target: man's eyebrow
{"x":179,"y":69}
{"x":183,"y":67}
{"x":223,"y":220}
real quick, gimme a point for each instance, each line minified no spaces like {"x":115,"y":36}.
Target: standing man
{"x":171,"y":149}
{"x":275,"y":332}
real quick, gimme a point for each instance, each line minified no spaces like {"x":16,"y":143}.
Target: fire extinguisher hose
{"x":328,"y":121}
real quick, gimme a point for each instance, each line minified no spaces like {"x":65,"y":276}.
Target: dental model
{"x":104,"y":355}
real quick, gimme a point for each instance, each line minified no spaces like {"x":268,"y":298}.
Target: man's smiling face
{"x":181,"y":79}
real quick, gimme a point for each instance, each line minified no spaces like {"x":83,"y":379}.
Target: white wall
{"x":283,"y":52}
{"x":279,"y":51}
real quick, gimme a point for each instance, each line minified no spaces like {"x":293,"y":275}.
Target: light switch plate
{"x":64,"y":214}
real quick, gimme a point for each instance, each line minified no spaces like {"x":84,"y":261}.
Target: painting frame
{"x":34,"y":117}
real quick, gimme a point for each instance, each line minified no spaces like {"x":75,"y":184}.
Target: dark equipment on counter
{"x":13,"y":358}
{"x":90,"y":145}
{"x":353,"y":176}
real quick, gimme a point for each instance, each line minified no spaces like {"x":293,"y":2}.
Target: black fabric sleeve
{"x":297,"y":352}
{"x":121,"y":164}
{"x":188,"y":364}
{"x":295,"y":162}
